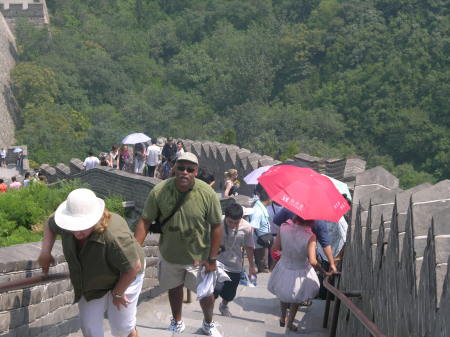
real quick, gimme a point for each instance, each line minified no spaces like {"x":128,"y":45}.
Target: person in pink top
{"x":15,"y":185}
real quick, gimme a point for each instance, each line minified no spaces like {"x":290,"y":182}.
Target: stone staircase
{"x":255,"y":314}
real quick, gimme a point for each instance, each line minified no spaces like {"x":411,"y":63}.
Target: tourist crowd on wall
{"x":297,"y":252}
{"x":153,"y":159}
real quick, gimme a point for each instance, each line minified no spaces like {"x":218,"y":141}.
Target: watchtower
{"x":34,"y":11}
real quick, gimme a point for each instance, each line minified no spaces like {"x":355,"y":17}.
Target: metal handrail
{"x":344,"y":298}
{"x":31,"y":281}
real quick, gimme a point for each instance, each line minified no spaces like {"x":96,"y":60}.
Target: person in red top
{"x":3,"y":186}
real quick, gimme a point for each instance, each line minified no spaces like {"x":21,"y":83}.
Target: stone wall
{"x":216,"y":157}
{"x":8,"y":106}
{"x":104,"y":181}
{"x":398,"y":243}
{"x":47,"y":310}
{"x":398,"y":254}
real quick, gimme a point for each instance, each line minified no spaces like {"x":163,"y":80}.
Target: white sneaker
{"x":176,"y":326}
{"x":210,"y":329}
{"x":224,"y":310}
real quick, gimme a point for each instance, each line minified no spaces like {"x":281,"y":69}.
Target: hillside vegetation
{"x":24,"y":212}
{"x":326,"y":77}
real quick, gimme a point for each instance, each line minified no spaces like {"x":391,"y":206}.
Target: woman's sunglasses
{"x":184,"y":168}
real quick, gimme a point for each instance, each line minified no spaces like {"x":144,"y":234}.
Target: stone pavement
{"x":7,"y":173}
{"x":255,"y":310}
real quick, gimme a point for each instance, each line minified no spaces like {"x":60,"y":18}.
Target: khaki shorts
{"x":172,"y":275}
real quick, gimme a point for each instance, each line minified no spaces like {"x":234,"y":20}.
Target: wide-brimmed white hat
{"x":81,"y":210}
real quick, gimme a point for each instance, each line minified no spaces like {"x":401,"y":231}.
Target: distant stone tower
{"x":34,"y":11}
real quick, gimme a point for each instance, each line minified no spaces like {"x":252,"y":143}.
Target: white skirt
{"x":293,"y":285}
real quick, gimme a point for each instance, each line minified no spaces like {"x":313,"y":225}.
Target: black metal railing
{"x":344,"y":297}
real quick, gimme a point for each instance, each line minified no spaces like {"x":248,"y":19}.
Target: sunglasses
{"x":184,"y":168}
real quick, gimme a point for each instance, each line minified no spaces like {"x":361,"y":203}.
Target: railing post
{"x":334,"y":322}
{"x":327,"y":305}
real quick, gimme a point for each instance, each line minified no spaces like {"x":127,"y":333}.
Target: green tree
{"x":54,"y":133}
{"x":33,"y":84}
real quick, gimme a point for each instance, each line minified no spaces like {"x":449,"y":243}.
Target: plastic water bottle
{"x":253,"y":280}
{"x":243,"y":280}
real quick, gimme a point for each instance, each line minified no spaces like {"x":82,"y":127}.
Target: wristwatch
{"x":212,"y":259}
{"x":116,"y":295}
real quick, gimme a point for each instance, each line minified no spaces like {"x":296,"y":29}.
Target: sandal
{"x":283,"y":323}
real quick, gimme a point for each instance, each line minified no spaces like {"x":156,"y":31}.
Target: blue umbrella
{"x":135,"y":138}
{"x":17,"y":150}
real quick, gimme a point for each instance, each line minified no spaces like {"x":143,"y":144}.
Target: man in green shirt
{"x":190,"y":238}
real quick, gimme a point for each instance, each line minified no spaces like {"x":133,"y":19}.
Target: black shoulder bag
{"x":157,"y":225}
{"x":265,"y":240}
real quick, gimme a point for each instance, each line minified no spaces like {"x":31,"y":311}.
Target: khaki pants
{"x":172,"y":275}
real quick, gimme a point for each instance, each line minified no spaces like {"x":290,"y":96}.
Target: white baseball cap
{"x":81,"y":210}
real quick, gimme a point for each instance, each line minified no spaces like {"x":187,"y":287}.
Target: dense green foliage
{"x":24,"y":211}
{"x":325,"y":77}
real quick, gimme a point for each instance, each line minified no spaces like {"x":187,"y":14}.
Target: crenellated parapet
{"x":344,"y":169}
{"x":219,"y":158}
{"x":398,"y":254}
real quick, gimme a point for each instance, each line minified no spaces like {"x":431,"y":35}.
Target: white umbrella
{"x":341,"y":186}
{"x":252,"y":177}
{"x":135,"y":138}
{"x":17,"y":150}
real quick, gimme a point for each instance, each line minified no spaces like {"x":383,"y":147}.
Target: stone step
{"x":255,"y":314}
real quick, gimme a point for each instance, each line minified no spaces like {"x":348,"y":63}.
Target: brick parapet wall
{"x":47,"y":309}
{"x":107,"y":181}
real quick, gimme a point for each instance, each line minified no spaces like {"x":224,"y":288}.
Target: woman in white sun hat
{"x":106,"y":263}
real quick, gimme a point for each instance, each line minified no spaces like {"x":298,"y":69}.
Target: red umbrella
{"x":305,"y":192}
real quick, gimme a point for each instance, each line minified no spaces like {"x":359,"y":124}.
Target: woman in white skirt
{"x":294,"y":279}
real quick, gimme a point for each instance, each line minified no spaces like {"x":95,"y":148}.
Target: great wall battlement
{"x":398,"y":248}
{"x":398,"y":255}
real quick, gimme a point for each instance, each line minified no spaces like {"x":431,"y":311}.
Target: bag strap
{"x":177,"y":206}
